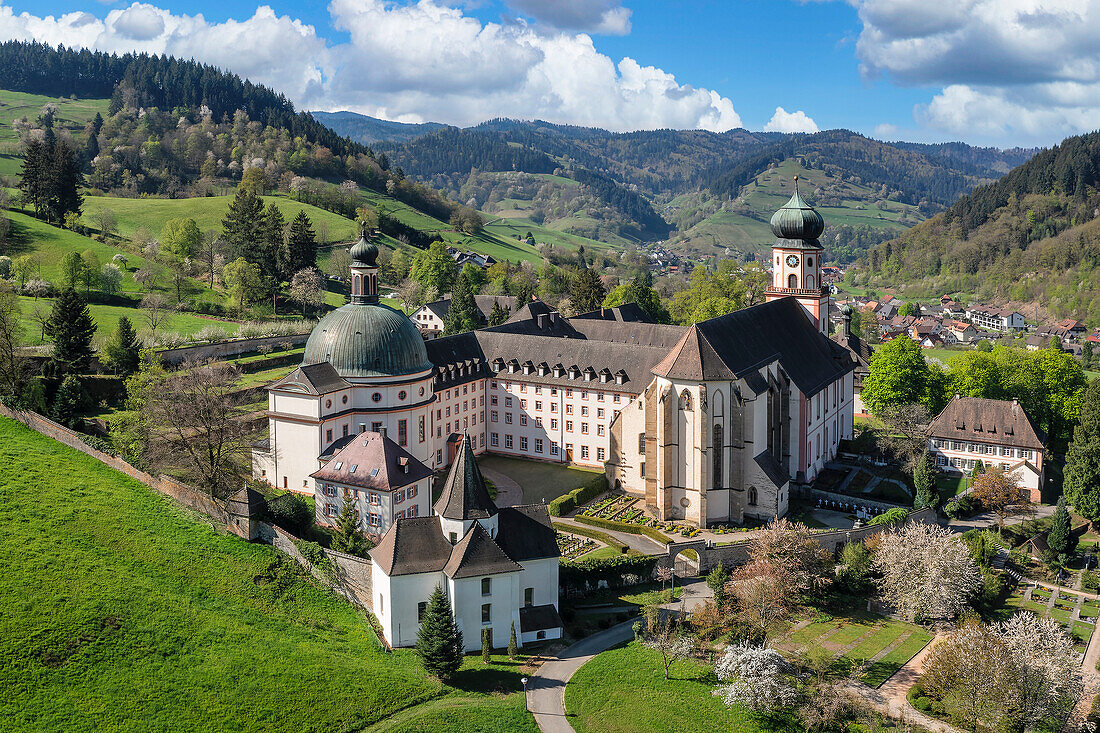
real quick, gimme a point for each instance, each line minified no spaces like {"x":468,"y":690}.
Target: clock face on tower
{"x":792,"y":260}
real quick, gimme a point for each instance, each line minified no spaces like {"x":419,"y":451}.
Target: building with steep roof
{"x":993,"y":432}
{"x":498,"y":566}
{"x":710,"y":423}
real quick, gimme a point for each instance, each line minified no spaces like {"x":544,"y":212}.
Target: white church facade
{"x":710,"y":423}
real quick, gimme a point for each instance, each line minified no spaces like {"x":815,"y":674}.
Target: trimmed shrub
{"x":650,"y":532}
{"x":580,"y":575}
{"x":577,"y":497}
{"x":561,"y":506}
{"x":594,"y":534}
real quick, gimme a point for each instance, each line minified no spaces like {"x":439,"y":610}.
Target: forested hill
{"x":1032,"y":237}
{"x":369,"y":130}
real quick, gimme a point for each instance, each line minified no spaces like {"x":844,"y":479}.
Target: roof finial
{"x":796,"y":184}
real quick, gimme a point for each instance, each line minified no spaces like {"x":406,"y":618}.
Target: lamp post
{"x":523,"y":680}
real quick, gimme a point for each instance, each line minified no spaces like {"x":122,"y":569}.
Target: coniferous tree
{"x":462,"y":313}
{"x":243,"y":226}
{"x":513,"y":645}
{"x":347,"y":537}
{"x":34,"y":176}
{"x":439,"y":642}
{"x":123,"y":353}
{"x":70,"y":328}
{"x":486,"y":651}
{"x":274,"y":243}
{"x":588,"y":291}
{"x":1082,"y":477}
{"x":70,"y":400}
{"x":1061,"y":540}
{"x":65,"y":182}
{"x":498,"y":314}
{"x":301,"y":246}
{"x":924,"y":481}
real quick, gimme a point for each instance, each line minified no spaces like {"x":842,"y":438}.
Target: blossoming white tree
{"x":1049,"y":669}
{"x":926,"y":571}
{"x":758,"y":677}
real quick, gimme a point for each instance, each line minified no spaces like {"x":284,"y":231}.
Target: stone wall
{"x":844,"y":500}
{"x":350,"y":577}
{"x":227,"y":349}
{"x":736,"y":554}
{"x":187,"y":495}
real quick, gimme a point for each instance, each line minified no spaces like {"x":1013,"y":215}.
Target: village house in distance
{"x":711,"y":423}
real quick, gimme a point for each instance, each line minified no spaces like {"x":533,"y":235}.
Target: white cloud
{"x":887,"y":131}
{"x":418,"y":61}
{"x":595,"y":16}
{"x":1019,"y":70}
{"x":784,"y":121}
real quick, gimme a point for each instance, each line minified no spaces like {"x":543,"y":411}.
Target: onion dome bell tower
{"x":364,"y":271}
{"x":796,"y":259}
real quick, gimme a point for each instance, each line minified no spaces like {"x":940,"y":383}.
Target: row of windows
{"x":616,"y":397}
{"x":509,"y":444}
{"x":376,"y":426}
{"x":984,"y":449}
{"x":966,"y":464}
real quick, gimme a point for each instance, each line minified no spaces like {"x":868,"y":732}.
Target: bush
{"x":650,"y":532}
{"x":961,"y":506}
{"x":1090,"y":581}
{"x":291,"y":512}
{"x":581,"y":575}
{"x":924,"y":704}
{"x":561,"y":506}
{"x":579,"y":496}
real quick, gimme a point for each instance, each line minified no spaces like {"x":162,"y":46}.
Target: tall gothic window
{"x":685,"y":401}
{"x":719,"y":450}
{"x":752,"y":496}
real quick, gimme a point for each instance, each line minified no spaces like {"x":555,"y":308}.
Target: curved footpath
{"x":546,"y":688}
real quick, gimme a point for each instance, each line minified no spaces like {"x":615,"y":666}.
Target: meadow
{"x":121,"y":611}
{"x":72,"y":114}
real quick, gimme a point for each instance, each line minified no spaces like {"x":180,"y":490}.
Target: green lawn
{"x":207,"y":213}
{"x":72,"y":114}
{"x":121,"y":611}
{"x":538,"y":480}
{"x":623,"y":690}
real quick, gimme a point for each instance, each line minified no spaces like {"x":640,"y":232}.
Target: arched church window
{"x":718,"y":452}
{"x":752,"y":496}
{"x":685,"y":401}
{"x":810,"y":281}
{"x":792,"y":281}
{"x":809,"y":261}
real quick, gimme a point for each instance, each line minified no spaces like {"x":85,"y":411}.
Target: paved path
{"x":508,"y":491}
{"x":546,"y":688}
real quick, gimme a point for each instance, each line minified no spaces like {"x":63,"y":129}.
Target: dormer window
{"x":558,"y":371}
{"x":544,"y":369}
{"x":353,"y":468}
{"x":339,"y":465}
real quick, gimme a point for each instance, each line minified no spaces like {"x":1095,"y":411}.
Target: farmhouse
{"x":431,"y":317}
{"x":709,"y":423}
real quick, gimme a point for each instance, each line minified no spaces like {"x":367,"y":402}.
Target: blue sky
{"x":998,"y":72}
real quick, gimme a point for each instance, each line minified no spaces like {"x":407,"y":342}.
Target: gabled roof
{"x":412,"y":545}
{"x":627,"y":312}
{"x":526,"y":532}
{"x":478,"y":554}
{"x":314,"y":379}
{"x":464,"y":494}
{"x":1003,"y":422}
{"x":373,"y":461}
{"x":772,"y":468}
{"x":539,"y":618}
{"x":693,"y":358}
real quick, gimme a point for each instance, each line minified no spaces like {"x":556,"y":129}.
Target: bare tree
{"x":411,"y":294}
{"x":194,"y":417}
{"x":764,"y":595}
{"x":210,"y":255}
{"x":1001,"y":493}
{"x":667,"y":637}
{"x":107,"y":222}
{"x":14,"y":368}
{"x":40,"y":315}
{"x":925,"y":571}
{"x":907,"y":437}
{"x":155,"y":308}
{"x":149,"y":275}
{"x":791,"y":548}
{"x":307,"y":287}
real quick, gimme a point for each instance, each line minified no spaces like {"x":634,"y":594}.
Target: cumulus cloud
{"x":784,"y":121}
{"x":595,"y":16}
{"x":418,"y":61}
{"x":1021,"y":70}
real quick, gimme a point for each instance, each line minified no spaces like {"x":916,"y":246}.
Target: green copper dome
{"x":797,"y":220}
{"x":364,"y":252}
{"x":367,"y":340}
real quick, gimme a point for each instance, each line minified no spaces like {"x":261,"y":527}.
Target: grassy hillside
{"x":121,"y":611}
{"x":72,"y":114}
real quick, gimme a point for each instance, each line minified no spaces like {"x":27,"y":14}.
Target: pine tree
{"x":486,"y":652}
{"x":64,"y":184}
{"x":924,"y":481}
{"x":498,"y":315}
{"x":243,"y":226}
{"x":274,"y":244}
{"x":122,"y":352}
{"x":462,"y":313}
{"x":34,"y":175}
{"x":1082,"y":476}
{"x":70,"y":327}
{"x":439,"y":642}
{"x":513,"y":645}
{"x":588,"y":291}
{"x":70,"y":400}
{"x":347,"y":537}
{"x":301,"y":249}
{"x":1061,"y":540}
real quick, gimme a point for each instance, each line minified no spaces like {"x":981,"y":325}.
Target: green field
{"x":121,"y":611}
{"x":72,"y":114}
{"x":623,"y":690}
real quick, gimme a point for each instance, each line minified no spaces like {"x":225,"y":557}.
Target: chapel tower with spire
{"x":796,"y":259}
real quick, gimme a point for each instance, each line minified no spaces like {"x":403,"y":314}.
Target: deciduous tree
{"x":664,"y":635}
{"x":307,"y":287}
{"x":244,"y":281}
{"x":926,"y":572}
{"x":899,"y":375}
{"x":1001,"y":493}
{"x":765,"y":595}
{"x":435,"y":269}
{"x":757,"y":678}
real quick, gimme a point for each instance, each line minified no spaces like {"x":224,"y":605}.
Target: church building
{"x":710,"y":423}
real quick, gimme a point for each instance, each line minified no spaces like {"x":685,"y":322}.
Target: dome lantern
{"x":798,"y":220}
{"x":364,"y":271}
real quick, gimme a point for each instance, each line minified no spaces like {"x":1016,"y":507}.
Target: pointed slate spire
{"x":464,"y":494}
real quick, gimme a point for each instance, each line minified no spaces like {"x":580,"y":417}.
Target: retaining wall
{"x":351,"y":576}
{"x":226,"y":349}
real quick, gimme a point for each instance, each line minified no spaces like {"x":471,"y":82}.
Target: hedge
{"x":582,"y":574}
{"x":594,"y":534}
{"x":578,"y":497}
{"x":649,"y":532}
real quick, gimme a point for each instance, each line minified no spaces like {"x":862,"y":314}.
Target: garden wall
{"x":844,"y":500}
{"x":225,"y":349}
{"x":736,"y":554}
{"x":187,"y":495}
{"x":350,"y":576}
